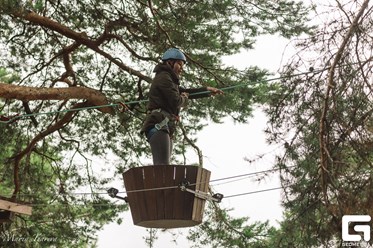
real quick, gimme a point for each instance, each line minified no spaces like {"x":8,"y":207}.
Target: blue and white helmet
{"x":173,"y":53}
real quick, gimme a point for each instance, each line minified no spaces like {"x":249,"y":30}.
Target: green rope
{"x":142,"y":101}
{"x":101,"y":106}
{"x":14,"y":118}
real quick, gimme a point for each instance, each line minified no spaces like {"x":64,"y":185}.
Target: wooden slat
{"x":150,"y":196}
{"x":189,"y":198}
{"x":160,"y":195}
{"x":204,"y":186}
{"x":197,"y":201}
{"x":129,"y":183}
{"x":134,"y":181}
{"x":15,"y":207}
{"x":169,"y":193}
{"x":178,"y":202}
{"x":203,"y":177}
{"x":139,"y":185}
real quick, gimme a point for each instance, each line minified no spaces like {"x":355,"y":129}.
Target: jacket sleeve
{"x":170,"y":91}
{"x":196,"y":92}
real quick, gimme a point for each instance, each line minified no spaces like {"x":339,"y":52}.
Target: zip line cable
{"x":240,"y":177}
{"x":6,"y":120}
{"x":16,"y":117}
{"x":163,"y":188}
{"x":110,"y":204}
{"x":253,"y":192}
{"x":249,"y":174}
{"x":175,"y":187}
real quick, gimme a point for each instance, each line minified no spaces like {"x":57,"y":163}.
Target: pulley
{"x":201,"y":194}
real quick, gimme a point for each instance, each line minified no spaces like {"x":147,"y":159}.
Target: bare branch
{"x":80,"y":38}
{"x":25,"y":93}
{"x":330,"y":84}
{"x":68,"y":117}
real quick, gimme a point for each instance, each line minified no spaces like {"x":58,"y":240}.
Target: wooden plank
{"x":197,"y":201}
{"x":189,"y":198}
{"x":160,"y":195}
{"x":205,"y":180}
{"x":150,"y":196}
{"x":15,"y":207}
{"x":204,"y":186}
{"x":139,"y":185}
{"x":169,"y":194}
{"x":134,"y":182}
{"x":178,"y":202}
{"x":203,"y":177}
{"x":129,"y":183}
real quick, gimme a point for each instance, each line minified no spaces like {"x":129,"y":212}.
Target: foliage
{"x":112,"y":47}
{"x":221,"y":230}
{"x":61,"y":217}
{"x":323,"y":119}
{"x":6,"y":77}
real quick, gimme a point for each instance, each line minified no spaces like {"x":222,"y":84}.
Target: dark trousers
{"x":161,"y":146}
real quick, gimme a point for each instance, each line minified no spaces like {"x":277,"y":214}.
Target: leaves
{"x":7,"y":77}
{"x":320,"y":117}
{"x":221,"y":230}
{"x":111,"y":48}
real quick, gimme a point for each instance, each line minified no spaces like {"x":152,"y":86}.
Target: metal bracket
{"x":113,"y":193}
{"x":200,"y":194}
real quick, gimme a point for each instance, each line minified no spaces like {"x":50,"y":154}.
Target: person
{"x":166,"y":98}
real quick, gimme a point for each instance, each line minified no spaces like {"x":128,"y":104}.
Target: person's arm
{"x":202,"y":92}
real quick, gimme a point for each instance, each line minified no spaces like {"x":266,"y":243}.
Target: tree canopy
{"x":59,"y":57}
{"x":322,"y":115}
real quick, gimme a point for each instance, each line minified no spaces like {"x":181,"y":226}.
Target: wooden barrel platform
{"x":156,"y":201}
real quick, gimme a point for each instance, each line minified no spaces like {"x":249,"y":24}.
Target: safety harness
{"x":162,"y":124}
{"x":166,"y":120}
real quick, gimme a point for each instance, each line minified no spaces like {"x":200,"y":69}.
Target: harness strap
{"x":165,"y":121}
{"x":162,"y":124}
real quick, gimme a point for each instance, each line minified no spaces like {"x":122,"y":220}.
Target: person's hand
{"x":215,"y":91}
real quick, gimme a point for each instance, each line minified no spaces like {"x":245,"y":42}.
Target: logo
{"x":364,"y":228}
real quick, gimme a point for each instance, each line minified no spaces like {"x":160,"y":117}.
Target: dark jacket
{"x":165,"y":93}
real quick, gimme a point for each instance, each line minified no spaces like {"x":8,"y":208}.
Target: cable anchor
{"x":113,"y":194}
{"x":200,"y":194}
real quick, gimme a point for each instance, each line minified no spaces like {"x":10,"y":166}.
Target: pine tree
{"x":73,"y":55}
{"x":322,"y":116}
